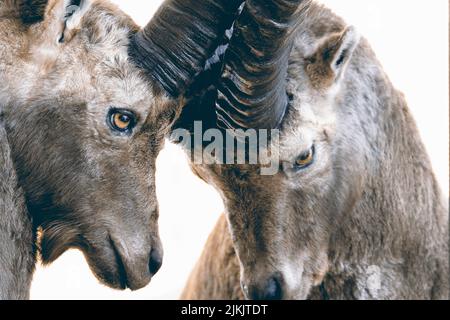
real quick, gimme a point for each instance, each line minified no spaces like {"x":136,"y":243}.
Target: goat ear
{"x":343,"y":50}
{"x":72,"y":14}
{"x":329,"y":62}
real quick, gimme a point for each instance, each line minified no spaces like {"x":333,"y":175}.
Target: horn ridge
{"x":175,"y":46}
{"x":252,"y":88}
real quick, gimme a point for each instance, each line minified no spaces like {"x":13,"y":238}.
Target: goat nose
{"x":155,"y":263}
{"x":271,"y":289}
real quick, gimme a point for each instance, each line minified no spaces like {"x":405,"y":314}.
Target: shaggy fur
{"x":86,"y":186}
{"x":366,"y":220}
{"x":65,"y":67}
{"x":17,"y":254}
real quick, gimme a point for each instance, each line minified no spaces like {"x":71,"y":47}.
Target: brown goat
{"x":354,"y":210}
{"x":86,"y":100}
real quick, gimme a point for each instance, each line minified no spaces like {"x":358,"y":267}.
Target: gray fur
{"x":17,"y":255}
{"x":366,"y":220}
{"x":85,"y":185}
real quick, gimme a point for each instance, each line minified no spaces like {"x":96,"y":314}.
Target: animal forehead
{"x":121,"y":81}
{"x":308,"y":122}
{"x":297,"y":139}
{"x":104,"y":23}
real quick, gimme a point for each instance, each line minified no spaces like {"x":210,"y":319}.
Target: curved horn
{"x":174,"y":47}
{"x":252,"y":89}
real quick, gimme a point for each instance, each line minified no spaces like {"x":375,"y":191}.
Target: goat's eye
{"x":122,"y":120}
{"x":305,"y":159}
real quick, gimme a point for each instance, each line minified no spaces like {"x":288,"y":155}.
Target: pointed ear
{"x":330,"y":61}
{"x":71,"y":16}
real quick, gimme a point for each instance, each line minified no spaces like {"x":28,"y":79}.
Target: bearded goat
{"x":86,"y":99}
{"x":354,"y":211}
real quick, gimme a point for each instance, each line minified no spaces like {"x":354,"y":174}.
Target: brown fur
{"x":17,"y":253}
{"x":222,"y":266}
{"x":86,"y":185}
{"x":367,"y":217}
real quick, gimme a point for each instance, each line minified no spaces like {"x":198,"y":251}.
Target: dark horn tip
{"x":173,"y":49}
{"x":252,"y":89}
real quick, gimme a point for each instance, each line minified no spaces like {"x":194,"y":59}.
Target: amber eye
{"x":305,"y":159}
{"x":122,"y":120}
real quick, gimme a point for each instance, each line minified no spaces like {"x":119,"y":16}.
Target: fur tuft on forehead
{"x":106,"y":25}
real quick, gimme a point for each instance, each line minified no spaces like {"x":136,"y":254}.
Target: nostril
{"x":269,"y":290}
{"x":273,"y":289}
{"x":155,"y":261}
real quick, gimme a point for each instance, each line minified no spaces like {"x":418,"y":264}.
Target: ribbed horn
{"x":174,"y":47}
{"x":252,"y":88}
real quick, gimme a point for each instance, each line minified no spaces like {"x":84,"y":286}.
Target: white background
{"x":410,"y":37}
